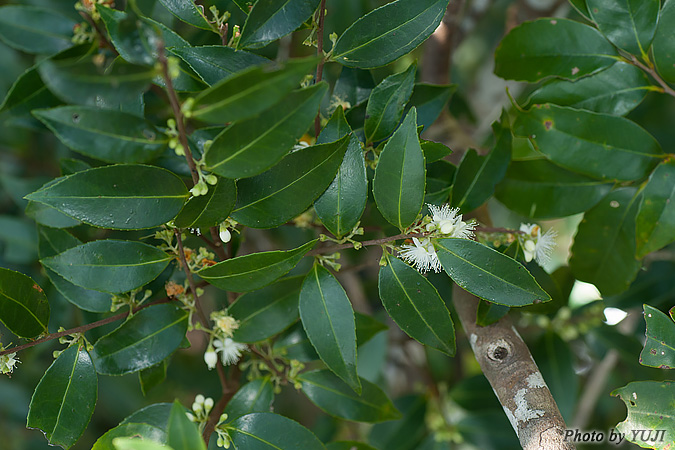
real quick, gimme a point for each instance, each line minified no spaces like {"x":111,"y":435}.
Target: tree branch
{"x":652,"y":73}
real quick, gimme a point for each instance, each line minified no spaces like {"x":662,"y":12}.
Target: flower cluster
{"x":535,"y":244}
{"x":7,"y":362}
{"x":201,"y":408}
{"x":221,"y":341}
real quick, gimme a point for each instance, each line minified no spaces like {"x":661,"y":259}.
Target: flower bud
{"x":210,"y":358}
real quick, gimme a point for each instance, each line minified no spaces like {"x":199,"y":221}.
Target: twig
{"x":99,"y":31}
{"x":652,"y":72}
{"x":217,"y":411}
{"x":334,"y":248}
{"x":319,"y":69}
{"x":191,"y":280}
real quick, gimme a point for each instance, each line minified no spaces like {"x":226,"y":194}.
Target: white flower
{"x":536,"y":245}
{"x":448,"y":222}
{"x":225,"y":323}
{"x":210,"y":357}
{"x":231,"y":350}
{"x":8,"y":362}
{"x":421,"y":255}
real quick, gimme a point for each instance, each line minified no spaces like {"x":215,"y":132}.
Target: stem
{"x":191,"y":280}
{"x":217,"y":411}
{"x":652,"y":72}
{"x":334,"y":248}
{"x":99,"y":31}
{"x":319,"y":69}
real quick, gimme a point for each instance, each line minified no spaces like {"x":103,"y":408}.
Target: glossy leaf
{"x":149,"y":424}
{"x":348,"y":445}
{"x":415,"y":305}
{"x":109,"y":265}
{"x":659,"y":348}
{"x":126,"y":197}
{"x":336,"y":398}
{"x":287,"y":189}
{"x":211,"y":209}
{"x":134,"y":443}
{"x":24,"y":308}
{"x":145,"y":339}
{"x":603,"y":252}
{"x":388,"y":32}
{"x":188,"y":12}
{"x":597,"y":145}
{"x":616,"y":90}
{"x":267,"y":431}
{"x":251,"y":272}
{"x":430,"y":100}
{"x":254,"y":396}
{"x":249,"y":92}
{"x":28,"y":93}
{"x":489,"y":313}
{"x":252,"y":146}
{"x":64,"y":400}
{"x":581,"y":7}
{"x":367,"y":327}
{"x":353,"y":87}
{"x":267,"y":311}
{"x":434,"y":151}
{"x":405,"y":433}
{"x":534,"y":51}
{"x":48,"y":216}
{"x":35,"y":30}
{"x":183,"y":434}
{"x":663,"y":46}
{"x":542,"y":190}
{"x":386,"y":103}
{"x":650,"y":406}
{"x":656,"y":217}
{"x":110,"y":136}
{"x":294,"y":344}
{"x":488,"y":274}
{"x":328,"y":319}
{"x":152,"y":377}
{"x":270,"y":19}
{"x":214,"y":63}
{"x":399,"y":181}
{"x":628,"y":24}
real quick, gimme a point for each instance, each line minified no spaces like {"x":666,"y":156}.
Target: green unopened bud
{"x":211,"y":179}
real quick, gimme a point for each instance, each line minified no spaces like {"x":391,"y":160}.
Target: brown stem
{"x":191,"y":280}
{"x":319,"y":69}
{"x":217,"y":411}
{"x":652,"y":72}
{"x":103,"y":37}
{"x":334,"y":248}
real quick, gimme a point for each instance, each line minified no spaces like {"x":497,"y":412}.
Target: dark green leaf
{"x":183,"y":434}
{"x":489,"y":313}
{"x":386,"y":104}
{"x":64,"y":399}
{"x":336,"y":398}
{"x":654,"y":282}
{"x":211,"y":209}
{"x":152,"y":376}
{"x":294,"y":344}
{"x":415,"y":305}
{"x":655,"y":223}
{"x":488,"y":274}
{"x":389,"y":32}
{"x":328,"y":319}
{"x":267,"y":431}
{"x":659,"y":349}
{"x":598,"y":145}
{"x":188,"y":12}
{"x":581,"y":7}
{"x":250,"y":91}
{"x":348,"y":445}
{"x":251,"y":272}
{"x":35,"y":30}
{"x":542,"y":190}
{"x":287,"y":189}
{"x":433,"y":151}
{"x":48,"y":216}
{"x":18,"y":238}
{"x":70,"y":166}
{"x":628,"y":24}
{"x":353,"y":87}
{"x":27,"y":93}
{"x":271,"y":19}
{"x":126,"y":197}
{"x":556,"y":362}
{"x":474,"y":393}
{"x":399,"y":181}
{"x":144,"y":340}
{"x":367,"y":327}
{"x":405,"y":433}
{"x":24,"y":308}
{"x":252,"y":146}
{"x":604,"y":246}
{"x":213,"y":63}
{"x":430,"y":99}
{"x":254,"y":396}
{"x":552,"y":47}
{"x":336,"y":128}
{"x":663,"y":46}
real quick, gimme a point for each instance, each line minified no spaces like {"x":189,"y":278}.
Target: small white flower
{"x":536,"y":245}
{"x":224,"y":234}
{"x":231,"y":350}
{"x":8,"y":362}
{"x":449,"y":222}
{"x":210,"y":357}
{"x":190,"y":416}
{"x":421,"y":255}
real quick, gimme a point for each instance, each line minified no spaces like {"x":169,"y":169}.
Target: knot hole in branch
{"x":499,"y":351}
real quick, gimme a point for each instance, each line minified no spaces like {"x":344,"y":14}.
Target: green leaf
{"x":336,"y":398}
{"x":289,"y":188}
{"x":267,"y":311}
{"x":294,"y":344}
{"x":252,"y":146}
{"x":659,"y":349}
{"x":268,"y":431}
{"x":542,"y":190}
{"x":628,"y":24}
{"x":386,"y":104}
{"x":250,"y":91}
{"x":581,"y":7}
{"x":488,"y":274}
{"x":251,"y":272}
{"x":125,"y":197}
{"x":214,"y":63}
{"x":650,"y":408}
{"x":254,"y":396}
{"x":656,"y":217}
{"x":405,"y":433}
{"x":211,"y":209}
{"x":182,"y":433}
{"x":556,"y":362}
{"x":152,"y":377}
{"x":603,"y":252}
{"x":64,"y":400}
{"x":430,"y":99}
{"x":28,"y":93}
{"x":597,"y":145}
{"x":663,"y":46}
{"x":48,"y":216}
{"x":271,"y":19}
{"x":434,"y":151}
{"x":616,"y":90}
{"x":35,"y":30}
{"x":533,"y":51}
{"x":415,"y":305}
{"x":399,"y":181}
{"x":141,"y":432}
{"x":137,"y":444}
{"x":478,"y":175}
{"x":336,"y":128}
{"x":145,"y":339}
{"x":109,"y":265}
{"x":24,"y":308}
{"x":473,"y":393}
{"x":110,"y":136}
{"x":389,"y":32}
{"x":367,"y":327}
{"x":188,"y":12}
{"x":348,"y":445}
{"x":353,"y":87}
{"x":489,"y":313}
{"x":328,"y":319}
